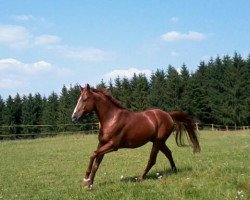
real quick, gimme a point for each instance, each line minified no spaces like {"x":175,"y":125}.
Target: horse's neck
{"x":106,"y":111}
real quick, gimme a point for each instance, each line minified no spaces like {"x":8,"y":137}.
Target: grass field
{"x":52,"y":168}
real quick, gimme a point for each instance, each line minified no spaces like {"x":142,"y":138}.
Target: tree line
{"x":217,"y":92}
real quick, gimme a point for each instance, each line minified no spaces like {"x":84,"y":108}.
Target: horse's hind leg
{"x":167,"y":152}
{"x":151,"y":162}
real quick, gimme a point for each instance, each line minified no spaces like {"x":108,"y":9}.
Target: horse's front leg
{"x":91,"y":161}
{"x":88,"y":182}
{"x":97,"y":157}
{"x":88,"y":171}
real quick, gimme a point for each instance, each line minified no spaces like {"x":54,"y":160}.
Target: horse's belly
{"x":137,"y":139}
{"x":139,"y":129}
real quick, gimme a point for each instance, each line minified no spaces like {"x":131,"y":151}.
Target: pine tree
{"x":27,"y":118}
{"x":17,"y":113}
{"x":50,"y":112}
{"x":111,"y":87}
{"x":140,"y":91}
{"x":216,"y":92}
{"x":2,"y":106}
{"x":158,"y":88}
{"x":38,"y":107}
{"x":126,"y":93}
{"x":246,"y":87}
{"x":64,"y":109}
{"x":235,"y":107}
{"x":8,"y":116}
{"x":198,"y":93}
{"x":101,"y":85}
{"x":30,"y":114}
{"x":173,"y":90}
{"x":185,"y":87}
{"x":117,"y":89}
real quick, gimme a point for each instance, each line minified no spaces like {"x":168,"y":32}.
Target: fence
{"x":35,"y":131}
{"x":216,"y":127}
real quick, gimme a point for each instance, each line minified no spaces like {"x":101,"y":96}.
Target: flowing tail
{"x":184,"y":123}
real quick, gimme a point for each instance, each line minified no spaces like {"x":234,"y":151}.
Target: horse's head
{"x":85,"y":103}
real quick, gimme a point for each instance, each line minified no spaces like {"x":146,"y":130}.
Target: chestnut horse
{"x":121,"y":128}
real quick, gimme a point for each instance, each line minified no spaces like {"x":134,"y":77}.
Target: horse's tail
{"x":184,"y":123}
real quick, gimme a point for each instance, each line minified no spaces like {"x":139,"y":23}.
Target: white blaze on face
{"x":78,"y":102}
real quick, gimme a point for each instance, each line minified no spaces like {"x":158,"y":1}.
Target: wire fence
{"x":11,"y":132}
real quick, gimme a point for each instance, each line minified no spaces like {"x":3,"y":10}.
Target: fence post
{"x":197,"y":126}
{"x":212,"y":127}
{"x":227,"y":128}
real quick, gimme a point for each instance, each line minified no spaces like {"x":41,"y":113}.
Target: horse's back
{"x":148,"y":125}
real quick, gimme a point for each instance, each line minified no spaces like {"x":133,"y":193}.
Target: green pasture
{"x":52,"y":168}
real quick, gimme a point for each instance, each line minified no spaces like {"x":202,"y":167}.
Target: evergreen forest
{"x":217,"y":92}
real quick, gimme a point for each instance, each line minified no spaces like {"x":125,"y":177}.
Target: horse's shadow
{"x":154,"y":175}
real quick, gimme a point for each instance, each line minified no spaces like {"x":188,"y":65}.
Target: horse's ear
{"x":88,"y":87}
{"x":81,"y":88}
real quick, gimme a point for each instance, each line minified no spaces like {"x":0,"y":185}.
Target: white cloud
{"x":15,"y":36}
{"x":173,"y":36}
{"x":17,"y":74}
{"x":5,"y":63}
{"x":88,"y":54}
{"x":46,"y":39}
{"x":91,"y":54}
{"x":174,"y":54}
{"x":174,"y":20}
{"x":23,"y":17}
{"x":11,"y":83}
{"x":11,"y":66}
{"x":39,"y":67}
{"x":20,"y":38}
{"x":14,"y":66}
{"x":128,"y":73}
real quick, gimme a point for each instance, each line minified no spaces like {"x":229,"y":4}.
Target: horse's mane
{"x":107,"y":94}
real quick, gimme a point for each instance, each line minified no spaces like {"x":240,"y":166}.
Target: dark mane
{"x":109,"y":96}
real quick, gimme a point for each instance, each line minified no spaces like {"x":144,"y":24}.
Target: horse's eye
{"x":84,"y":100}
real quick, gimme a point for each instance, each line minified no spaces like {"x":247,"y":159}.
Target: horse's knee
{"x":93,"y":155}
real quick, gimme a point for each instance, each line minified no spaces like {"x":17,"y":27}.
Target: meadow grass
{"x":52,"y":168}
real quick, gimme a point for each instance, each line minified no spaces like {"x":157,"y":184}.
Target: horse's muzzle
{"x":74,"y":119}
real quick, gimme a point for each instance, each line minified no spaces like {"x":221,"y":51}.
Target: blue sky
{"x":45,"y":44}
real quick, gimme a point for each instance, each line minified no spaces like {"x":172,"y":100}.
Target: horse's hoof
{"x":139,"y":179}
{"x":175,"y":170}
{"x":86,"y":187}
{"x":87,"y":184}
